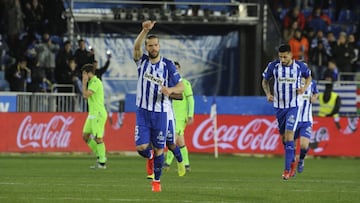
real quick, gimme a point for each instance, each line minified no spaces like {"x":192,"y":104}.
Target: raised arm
{"x":146,"y":27}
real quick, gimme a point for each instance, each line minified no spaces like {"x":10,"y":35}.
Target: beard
{"x":286,"y":63}
{"x":153,"y":55}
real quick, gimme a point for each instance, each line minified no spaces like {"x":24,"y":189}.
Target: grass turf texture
{"x":67,"y":178}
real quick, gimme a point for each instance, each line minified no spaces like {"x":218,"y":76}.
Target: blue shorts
{"x":304,"y":129}
{"x":170,"y":135}
{"x":287,"y":119}
{"x":151,"y":127}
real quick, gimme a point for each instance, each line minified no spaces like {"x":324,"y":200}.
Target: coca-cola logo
{"x":51,"y":134}
{"x":258,"y":134}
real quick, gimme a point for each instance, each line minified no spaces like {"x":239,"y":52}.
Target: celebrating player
{"x":157,"y":80}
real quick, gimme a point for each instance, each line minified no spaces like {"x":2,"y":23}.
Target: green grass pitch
{"x":68,"y":178}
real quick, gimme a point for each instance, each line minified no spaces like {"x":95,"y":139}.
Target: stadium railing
{"x":349,"y":93}
{"x":165,"y":11}
{"x":50,"y":102}
{"x":349,"y":76}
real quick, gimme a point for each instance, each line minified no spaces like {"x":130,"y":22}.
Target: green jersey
{"x":184,"y":108}
{"x":96,"y":100}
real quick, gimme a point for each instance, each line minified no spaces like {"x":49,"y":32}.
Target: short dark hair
{"x":67,"y":42}
{"x":88,"y":68}
{"x":151,"y":37}
{"x":177,"y":63}
{"x":80,"y":40}
{"x":22,"y":59}
{"x":284,"y":48}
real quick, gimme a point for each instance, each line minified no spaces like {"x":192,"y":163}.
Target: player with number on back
{"x":304,"y":128}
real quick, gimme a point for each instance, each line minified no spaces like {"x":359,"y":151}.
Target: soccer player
{"x":287,"y":74}
{"x":93,"y":91}
{"x":184,"y":115}
{"x":304,"y":128}
{"x":157,"y":80}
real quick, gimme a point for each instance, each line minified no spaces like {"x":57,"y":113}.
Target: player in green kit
{"x":184,"y":115}
{"x":93,"y":91}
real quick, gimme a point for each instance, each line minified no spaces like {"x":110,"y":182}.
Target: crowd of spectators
{"x":34,"y":54}
{"x":30,"y":33}
{"x":323,"y":33}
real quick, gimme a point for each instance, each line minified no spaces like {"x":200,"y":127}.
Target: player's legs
{"x":98,"y":132}
{"x":174,"y":148}
{"x":142,"y":140}
{"x":87,"y":138}
{"x":304,"y":146}
{"x":287,"y":121}
{"x":297,"y":133}
{"x":170,"y":143}
{"x":159,"y":124}
{"x":175,"y":153}
{"x":142,"y":133}
{"x":180,"y":141}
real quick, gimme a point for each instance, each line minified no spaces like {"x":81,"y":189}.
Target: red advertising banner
{"x":62,"y":132}
{"x":259,"y":135}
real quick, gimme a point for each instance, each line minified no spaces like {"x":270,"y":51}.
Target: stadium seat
{"x":347,"y":16}
{"x":336,"y":29}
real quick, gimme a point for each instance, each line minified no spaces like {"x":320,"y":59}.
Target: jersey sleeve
{"x":174,"y":76}
{"x":138,"y":62}
{"x":314,"y":88}
{"x":305,"y":71}
{"x":188,"y":93}
{"x":267,"y":74}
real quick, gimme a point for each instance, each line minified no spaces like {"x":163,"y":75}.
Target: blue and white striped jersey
{"x":150,"y":76}
{"x":287,"y":79}
{"x":306,"y":108}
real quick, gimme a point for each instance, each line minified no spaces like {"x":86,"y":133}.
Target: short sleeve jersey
{"x":96,"y":100}
{"x":287,"y":79}
{"x":150,"y":77}
{"x":306,"y":109}
{"x":184,"y":108}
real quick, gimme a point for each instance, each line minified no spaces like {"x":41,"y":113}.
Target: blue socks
{"x":177,"y":153}
{"x":289,"y":154}
{"x":158,"y":163}
{"x":145,"y":153}
{"x":303,"y":153}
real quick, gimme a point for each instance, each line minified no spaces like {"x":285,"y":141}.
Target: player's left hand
{"x":85,"y":77}
{"x":301,"y":90}
{"x":165,"y":90}
{"x":190,"y":120}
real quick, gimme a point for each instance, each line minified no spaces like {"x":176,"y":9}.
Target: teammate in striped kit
{"x":287,"y":74}
{"x":184,"y":114}
{"x":304,"y":128}
{"x":157,"y":80}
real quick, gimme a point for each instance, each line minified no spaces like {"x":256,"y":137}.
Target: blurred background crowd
{"x":36,"y":54}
